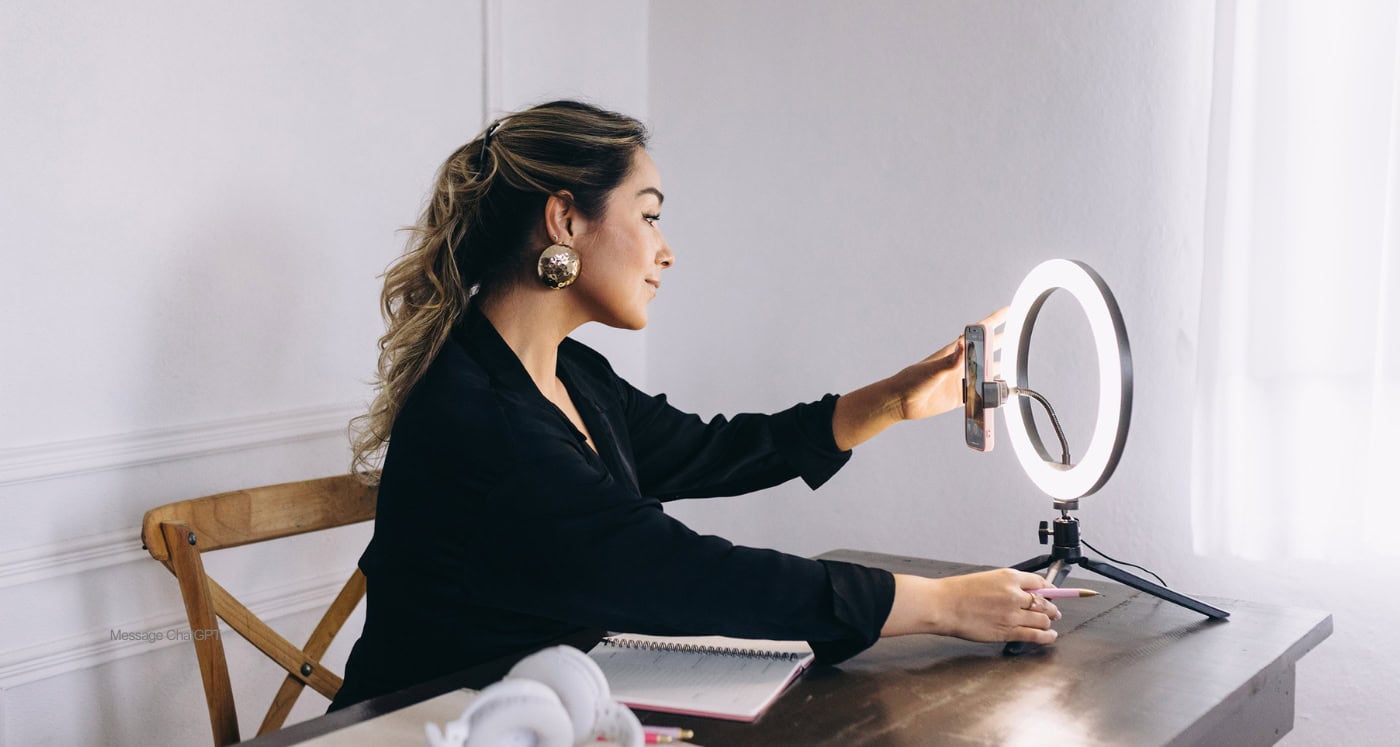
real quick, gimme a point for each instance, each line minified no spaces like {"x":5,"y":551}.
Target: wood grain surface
{"x":1128,"y":669}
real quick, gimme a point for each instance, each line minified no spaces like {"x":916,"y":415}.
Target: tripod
{"x":1065,"y":553}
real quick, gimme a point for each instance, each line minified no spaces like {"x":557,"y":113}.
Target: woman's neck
{"x":533,"y":322}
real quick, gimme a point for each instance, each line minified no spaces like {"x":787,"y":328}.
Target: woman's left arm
{"x":930,"y":387}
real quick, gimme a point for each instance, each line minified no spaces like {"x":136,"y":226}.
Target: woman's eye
{"x":652,"y":219}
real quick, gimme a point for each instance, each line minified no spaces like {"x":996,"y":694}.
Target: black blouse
{"x":500,"y":532}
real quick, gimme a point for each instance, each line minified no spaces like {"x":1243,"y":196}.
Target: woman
{"x":520,"y":496}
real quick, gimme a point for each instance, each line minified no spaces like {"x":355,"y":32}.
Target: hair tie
{"x":485,"y":142}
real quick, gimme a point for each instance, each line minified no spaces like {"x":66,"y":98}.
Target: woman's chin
{"x":633,"y":322}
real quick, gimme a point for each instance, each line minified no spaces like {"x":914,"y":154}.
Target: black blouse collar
{"x":481,"y":340}
{"x":484,"y":344}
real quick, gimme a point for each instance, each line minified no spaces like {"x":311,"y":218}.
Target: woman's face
{"x":623,"y":253}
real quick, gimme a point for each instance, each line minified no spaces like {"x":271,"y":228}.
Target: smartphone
{"x":977,"y":361}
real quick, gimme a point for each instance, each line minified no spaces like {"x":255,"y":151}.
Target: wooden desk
{"x":1128,"y":669}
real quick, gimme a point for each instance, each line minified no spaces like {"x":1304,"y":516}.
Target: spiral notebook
{"x":710,"y":676}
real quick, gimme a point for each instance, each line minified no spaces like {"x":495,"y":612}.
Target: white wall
{"x":844,"y":202}
{"x":849,"y":184}
{"x":195,"y":202}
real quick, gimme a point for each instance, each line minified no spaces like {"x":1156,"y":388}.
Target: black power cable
{"x":1097,"y":551}
{"x":1064,"y":459}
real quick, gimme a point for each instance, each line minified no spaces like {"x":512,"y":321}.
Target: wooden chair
{"x":177,"y":534}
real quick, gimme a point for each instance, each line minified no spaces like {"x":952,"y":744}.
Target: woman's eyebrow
{"x":660,"y":198}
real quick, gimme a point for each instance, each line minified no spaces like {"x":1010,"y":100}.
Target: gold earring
{"x":558,"y":266}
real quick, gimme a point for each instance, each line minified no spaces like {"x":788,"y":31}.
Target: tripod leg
{"x":1034,"y":564}
{"x":1161,"y":592}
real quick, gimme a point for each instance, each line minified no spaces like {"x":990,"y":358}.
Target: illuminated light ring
{"x":1115,"y":379}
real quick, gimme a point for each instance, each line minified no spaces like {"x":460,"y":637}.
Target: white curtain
{"x":1297,"y":422}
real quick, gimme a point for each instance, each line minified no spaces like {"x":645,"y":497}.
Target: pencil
{"x":1064,"y":593}
{"x":669,"y":731}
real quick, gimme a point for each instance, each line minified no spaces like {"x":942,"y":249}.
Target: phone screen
{"x":978,"y":424}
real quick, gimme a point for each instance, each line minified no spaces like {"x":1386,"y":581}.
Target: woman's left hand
{"x":933,"y":386}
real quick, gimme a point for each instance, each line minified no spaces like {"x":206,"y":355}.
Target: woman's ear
{"x":561,"y":217}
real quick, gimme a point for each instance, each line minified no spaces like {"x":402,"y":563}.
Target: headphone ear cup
{"x":617,"y":723}
{"x":575,"y":678}
{"x":517,"y":713}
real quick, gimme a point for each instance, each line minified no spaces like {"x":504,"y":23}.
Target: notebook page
{"x":704,"y":684}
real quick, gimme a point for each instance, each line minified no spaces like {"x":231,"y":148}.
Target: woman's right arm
{"x":988,"y":606}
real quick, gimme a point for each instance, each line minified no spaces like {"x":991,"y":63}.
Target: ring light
{"x":1068,"y":483}
{"x":1115,"y":379}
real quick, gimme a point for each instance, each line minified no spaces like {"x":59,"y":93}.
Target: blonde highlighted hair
{"x":481,"y":228}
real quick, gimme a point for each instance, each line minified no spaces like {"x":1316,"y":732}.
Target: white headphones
{"x":557,"y":697}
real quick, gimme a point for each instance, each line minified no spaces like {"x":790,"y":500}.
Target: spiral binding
{"x":691,"y":648}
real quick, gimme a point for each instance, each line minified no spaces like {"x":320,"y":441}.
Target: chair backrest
{"x":177,"y":533}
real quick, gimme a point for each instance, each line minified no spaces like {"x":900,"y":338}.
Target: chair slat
{"x":270,"y":642}
{"x":240,"y":517}
{"x":282,"y":703}
{"x":336,"y":615}
{"x":316,"y":645}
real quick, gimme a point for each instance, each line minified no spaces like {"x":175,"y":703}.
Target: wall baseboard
{"x":97,"y":647}
{"x":65,"y":458}
{"x":29,"y":564}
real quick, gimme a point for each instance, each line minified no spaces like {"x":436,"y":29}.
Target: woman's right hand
{"x":990,"y":606}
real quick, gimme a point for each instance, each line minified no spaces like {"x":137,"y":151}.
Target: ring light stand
{"x":1066,"y":484}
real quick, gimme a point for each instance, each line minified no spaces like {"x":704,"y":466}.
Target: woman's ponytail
{"x":476,"y":234}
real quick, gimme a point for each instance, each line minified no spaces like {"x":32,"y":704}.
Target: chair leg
{"x":208,"y":647}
